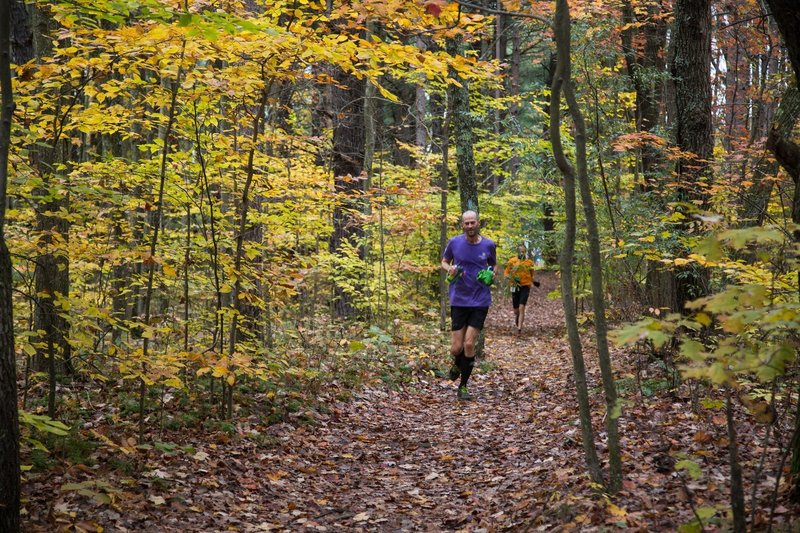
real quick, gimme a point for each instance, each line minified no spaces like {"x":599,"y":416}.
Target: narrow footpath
{"x":419,"y":460}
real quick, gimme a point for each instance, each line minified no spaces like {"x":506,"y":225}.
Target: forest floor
{"x":417,"y":459}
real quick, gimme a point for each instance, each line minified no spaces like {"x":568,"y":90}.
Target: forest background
{"x":214,"y":209}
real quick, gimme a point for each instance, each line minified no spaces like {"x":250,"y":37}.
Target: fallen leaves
{"x":416,"y":459}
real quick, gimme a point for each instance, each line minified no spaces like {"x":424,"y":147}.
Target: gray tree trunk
{"x":464,"y":137}
{"x":598,"y":296}
{"x":560,"y":78}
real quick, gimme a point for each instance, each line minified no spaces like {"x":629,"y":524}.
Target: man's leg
{"x":468,"y":362}
{"x":521,"y":317}
{"x":457,"y":351}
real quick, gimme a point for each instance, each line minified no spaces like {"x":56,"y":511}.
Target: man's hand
{"x":486,"y":277}
{"x":536,"y":283}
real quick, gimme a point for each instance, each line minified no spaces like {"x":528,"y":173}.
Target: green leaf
{"x":690,"y":527}
{"x":186,"y":19}
{"x":43,"y":423}
{"x":691,"y":468}
{"x":356,"y":346}
{"x":693,"y":350}
{"x":712,"y":404}
{"x":706,"y":513}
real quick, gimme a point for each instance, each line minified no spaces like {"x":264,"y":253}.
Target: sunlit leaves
{"x":753,"y":321}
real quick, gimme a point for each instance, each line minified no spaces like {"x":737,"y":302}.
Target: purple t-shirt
{"x":467,"y":291}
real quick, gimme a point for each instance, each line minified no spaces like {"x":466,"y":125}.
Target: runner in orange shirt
{"x":519,"y":270}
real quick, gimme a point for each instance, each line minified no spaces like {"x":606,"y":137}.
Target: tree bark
{"x":464,"y":137}
{"x":787,"y":152}
{"x":347,"y":106}
{"x":787,"y":17}
{"x":693,"y":127}
{"x":737,"y":486}
{"x":52,"y":264}
{"x":9,"y":417}
{"x":598,"y":296}
{"x":562,"y":76}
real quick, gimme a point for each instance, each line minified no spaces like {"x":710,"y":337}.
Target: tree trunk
{"x":464,"y":137}
{"x":420,"y":107}
{"x":787,"y":17}
{"x":737,"y":486}
{"x":9,"y":419}
{"x":347,"y":106}
{"x":598,"y":296}
{"x":52,"y":264}
{"x":693,"y":127}
{"x":514,"y":84}
{"x":560,"y":77}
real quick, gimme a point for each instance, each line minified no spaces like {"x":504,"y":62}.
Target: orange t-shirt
{"x":520,"y":270}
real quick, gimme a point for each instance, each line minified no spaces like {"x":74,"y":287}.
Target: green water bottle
{"x":486,"y":276}
{"x":453,"y":277}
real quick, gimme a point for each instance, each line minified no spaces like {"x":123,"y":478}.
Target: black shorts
{"x":520,"y":296}
{"x":468,"y":316}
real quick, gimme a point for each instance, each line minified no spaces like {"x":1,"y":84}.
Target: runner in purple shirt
{"x":464,"y":257}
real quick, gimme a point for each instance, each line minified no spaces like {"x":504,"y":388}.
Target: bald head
{"x":470,"y":224}
{"x":469,"y":214}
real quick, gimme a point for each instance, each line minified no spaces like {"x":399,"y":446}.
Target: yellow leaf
{"x":277,"y":475}
{"x":174,"y":382}
{"x":231,"y":379}
{"x":169,"y":271}
{"x":703,"y":319}
{"x":616,"y":511}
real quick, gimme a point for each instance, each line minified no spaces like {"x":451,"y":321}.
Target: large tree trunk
{"x":693,"y":127}
{"x":787,"y":17}
{"x":645,"y":64}
{"x":787,"y":152}
{"x":464,"y":137}
{"x":52,"y":263}
{"x":347,"y":106}
{"x":9,"y":421}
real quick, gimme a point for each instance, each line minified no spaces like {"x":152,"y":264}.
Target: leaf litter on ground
{"x":416,"y":459}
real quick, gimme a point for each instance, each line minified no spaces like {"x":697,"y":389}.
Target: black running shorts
{"x":468,"y":316}
{"x":520,"y":296}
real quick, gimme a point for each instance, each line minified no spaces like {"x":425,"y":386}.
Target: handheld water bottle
{"x":486,"y":276}
{"x":453,"y":277}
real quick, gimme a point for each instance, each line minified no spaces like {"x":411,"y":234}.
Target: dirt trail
{"x":421,"y":460}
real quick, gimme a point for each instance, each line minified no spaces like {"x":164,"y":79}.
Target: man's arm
{"x":447,"y":264}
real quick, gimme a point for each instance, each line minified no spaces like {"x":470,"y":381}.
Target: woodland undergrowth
{"x":385,"y":446}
